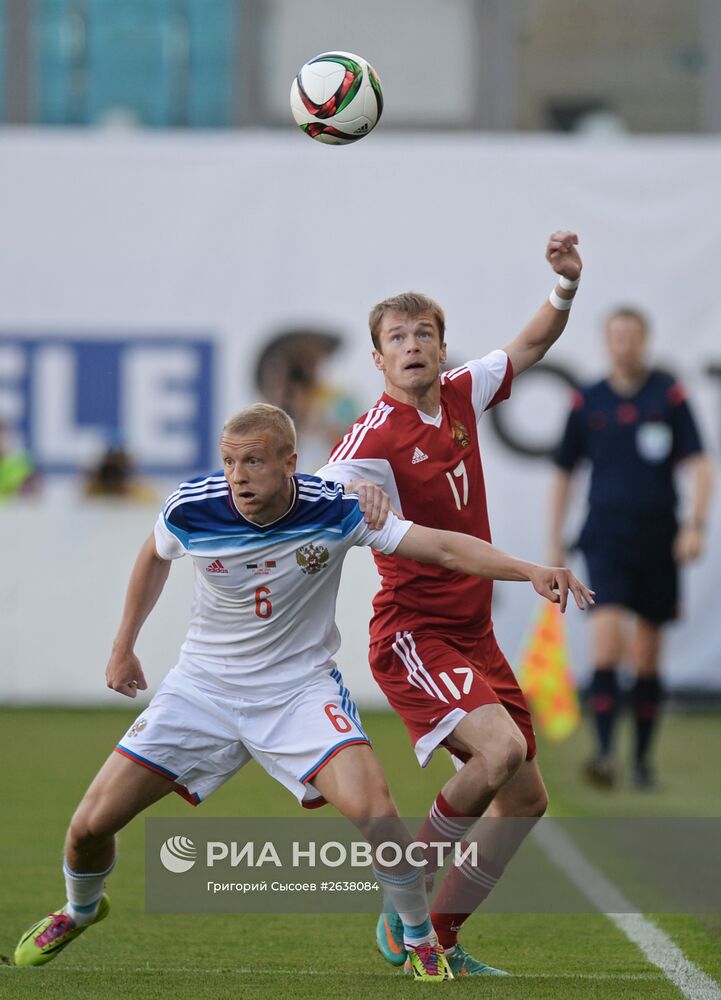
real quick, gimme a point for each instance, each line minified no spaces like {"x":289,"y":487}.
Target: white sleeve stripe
{"x":350,"y":437}
{"x":349,"y":445}
{"x":313,"y":487}
{"x":380,"y":419}
{"x":315,"y":497}
{"x":213,"y":484}
{"x":457,"y":372}
{"x":316,"y":490}
{"x":193,"y":499}
{"x":317,"y":493}
{"x":189,"y":488}
{"x":353,"y":446}
{"x":324,"y":486}
{"x":199,"y":485}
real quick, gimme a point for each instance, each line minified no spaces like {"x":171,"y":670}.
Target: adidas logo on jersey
{"x":418,"y":456}
{"x":216,"y":567}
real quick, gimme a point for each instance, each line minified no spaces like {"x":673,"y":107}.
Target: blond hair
{"x":265,"y":419}
{"x":410,"y":303}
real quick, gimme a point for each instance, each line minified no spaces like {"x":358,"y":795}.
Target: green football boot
{"x":389,"y":938}
{"x":427,"y":963}
{"x":463,"y":964}
{"x":45,"y":939}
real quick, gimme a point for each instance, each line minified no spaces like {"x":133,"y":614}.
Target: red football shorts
{"x":432,"y":681}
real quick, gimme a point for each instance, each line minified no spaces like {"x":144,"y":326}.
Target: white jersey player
{"x":256,"y":677}
{"x":262,"y":635}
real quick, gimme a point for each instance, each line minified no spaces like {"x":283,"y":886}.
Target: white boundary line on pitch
{"x":249,"y":971}
{"x":656,"y":945}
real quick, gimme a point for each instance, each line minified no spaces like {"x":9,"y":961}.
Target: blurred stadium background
{"x":172,"y":247}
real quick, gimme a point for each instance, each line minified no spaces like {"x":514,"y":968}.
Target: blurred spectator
{"x":18,"y":475}
{"x":634,"y":427}
{"x":289,"y":374}
{"x":114,"y":476}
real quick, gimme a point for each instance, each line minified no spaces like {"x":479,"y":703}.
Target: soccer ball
{"x":336,"y":98}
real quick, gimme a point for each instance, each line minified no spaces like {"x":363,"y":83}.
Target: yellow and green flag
{"x":546,"y":679}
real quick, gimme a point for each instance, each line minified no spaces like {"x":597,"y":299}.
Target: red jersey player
{"x":432,"y":648}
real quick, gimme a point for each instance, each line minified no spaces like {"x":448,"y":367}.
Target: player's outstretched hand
{"x":124,"y":674}
{"x":372,"y":500}
{"x":555,"y":583}
{"x":562,"y":255}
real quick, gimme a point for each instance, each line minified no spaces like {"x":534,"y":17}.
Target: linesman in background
{"x":634,"y":427}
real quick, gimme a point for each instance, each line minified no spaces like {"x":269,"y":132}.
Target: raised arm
{"x":466,"y":554}
{"x":547,"y":325}
{"x":147,"y":579}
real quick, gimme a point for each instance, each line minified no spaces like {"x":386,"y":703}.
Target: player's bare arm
{"x":466,"y":554}
{"x":547,"y":325}
{"x":689,"y":542}
{"x":560,"y":494}
{"x":124,"y":673}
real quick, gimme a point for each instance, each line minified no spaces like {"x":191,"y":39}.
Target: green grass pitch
{"x":49,"y":756}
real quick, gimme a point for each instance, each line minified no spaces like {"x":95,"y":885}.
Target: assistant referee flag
{"x":546,"y":679}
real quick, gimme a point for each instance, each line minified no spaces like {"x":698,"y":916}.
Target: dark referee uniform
{"x":633,"y":444}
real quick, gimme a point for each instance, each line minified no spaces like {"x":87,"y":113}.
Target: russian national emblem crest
{"x":137,"y":727}
{"x":312,"y":558}
{"x":461,"y":437}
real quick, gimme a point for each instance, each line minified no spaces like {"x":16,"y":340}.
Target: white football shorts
{"x":199,"y":737}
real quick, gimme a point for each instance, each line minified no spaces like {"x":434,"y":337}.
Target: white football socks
{"x":84,"y":891}
{"x":407,"y":895}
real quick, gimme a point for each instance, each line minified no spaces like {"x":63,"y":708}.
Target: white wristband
{"x":567,"y":284}
{"x":558,"y":303}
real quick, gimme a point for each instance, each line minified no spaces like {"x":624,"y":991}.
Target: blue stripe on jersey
{"x":196,"y":488}
{"x":220,"y":493}
{"x":315,"y":482}
{"x":199,"y":514}
{"x":329,"y":490}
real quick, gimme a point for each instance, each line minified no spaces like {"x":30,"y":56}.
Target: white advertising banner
{"x":152,"y":283}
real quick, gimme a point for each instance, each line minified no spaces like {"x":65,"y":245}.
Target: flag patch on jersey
{"x":418,"y":456}
{"x":312,"y":558}
{"x":261,"y":568}
{"x":216,"y":567}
